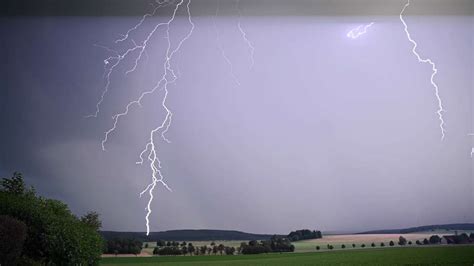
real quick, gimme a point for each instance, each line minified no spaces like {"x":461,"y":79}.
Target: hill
{"x":465,"y":226}
{"x":188,"y":235}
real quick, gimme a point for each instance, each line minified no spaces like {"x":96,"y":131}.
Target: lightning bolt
{"x":360,"y":30}
{"x":150,"y":151}
{"x":433,"y":67}
{"x":221,"y":48}
{"x":251,"y":48}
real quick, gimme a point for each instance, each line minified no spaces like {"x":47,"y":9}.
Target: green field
{"x":441,"y":255}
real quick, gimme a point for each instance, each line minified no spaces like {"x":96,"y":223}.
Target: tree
{"x":184,"y":250}
{"x":92,"y":219}
{"x":353,"y":245}
{"x":160,"y":243}
{"x":434,"y":239}
{"x":409,"y":243}
{"x":220,"y":248}
{"x":229,"y":250}
{"x":425,"y":241}
{"x":203,"y":250}
{"x":331,"y":247}
{"x":391,"y":243}
{"x":343,"y":246}
{"x":214,"y":250}
{"x":317,"y":247}
{"x":418,"y":242}
{"x":55,"y":235}
{"x":382,"y":244}
{"x":12,"y":237}
{"x":402,"y":241}
{"x":14,"y":185}
{"x":362,"y":246}
{"x":191,"y":248}
{"x":372,"y":245}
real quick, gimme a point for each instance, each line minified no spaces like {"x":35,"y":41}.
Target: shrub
{"x":353,"y":245}
{"x":343,"y":246}
{"x":317,"y":248}
{"x":425,"y":241}
{"x":372,"y":245}
{"x":382,"y":244}
{"x":391,"y":243}
{"x":362,"y":246}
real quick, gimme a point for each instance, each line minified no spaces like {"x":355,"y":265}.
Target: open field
{"x":348,"y":240}
{"x":334,"y":240}
{"x":440,"y":255}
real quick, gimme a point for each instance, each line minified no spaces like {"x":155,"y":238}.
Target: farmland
{"x":441,"y":255}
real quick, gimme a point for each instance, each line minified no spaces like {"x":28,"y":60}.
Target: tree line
{"x":304,"y":234}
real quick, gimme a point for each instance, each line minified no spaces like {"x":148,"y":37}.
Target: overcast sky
{"x":324,"y":132}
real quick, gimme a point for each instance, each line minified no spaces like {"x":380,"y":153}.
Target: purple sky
{"x":325,"y":132}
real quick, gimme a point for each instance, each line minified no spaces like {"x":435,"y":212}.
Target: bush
{"x":425,"y":241}
{"x":353,"y":245}
{"x":372,"y":245}
{"x":382,"y":244}
{"x":409,"y":243}
{"x":418,"y":242}
{"x":331,"y":247}
{"x":343,"y":246}
{"x":317,"y":247}
{"x":391,"y":243}
{"x":362,"y":246}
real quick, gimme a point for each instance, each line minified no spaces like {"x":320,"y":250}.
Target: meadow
{"x":432,"y":255}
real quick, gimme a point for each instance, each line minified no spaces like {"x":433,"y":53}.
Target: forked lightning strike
{"x":360,"y":30}
{"x":433,"y":67}
{"x":167,"y":78}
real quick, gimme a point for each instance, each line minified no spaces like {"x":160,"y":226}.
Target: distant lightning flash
{"x":360,"y":30}
{"x":433,"y":67}
{"x":244,"y":36}
{"x":167,"y":78}
{"x":221,"y":48}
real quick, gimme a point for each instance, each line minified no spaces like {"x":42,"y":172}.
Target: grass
{"x":440,"y":255}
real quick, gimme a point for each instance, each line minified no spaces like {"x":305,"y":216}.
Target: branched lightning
{"x":168,"y":77}
{"x":221,"y":48}
{"x":360,"y":30}
{"x":244,"y":35}
{"x":433,"y":67}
